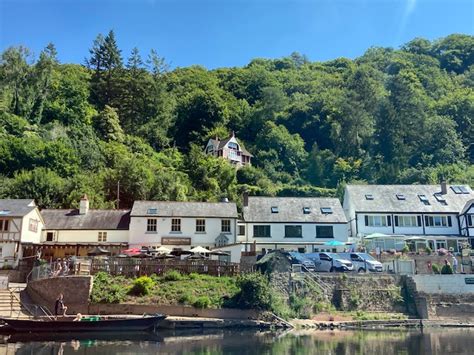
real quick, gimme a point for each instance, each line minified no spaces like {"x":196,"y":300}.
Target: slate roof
{"x":290,"y":209}
{"x":16,"y":207}
{"x":92,"y":220}
{"x":385,"y":199}
{"x":185,"y":209}
{"x":221,"y":144}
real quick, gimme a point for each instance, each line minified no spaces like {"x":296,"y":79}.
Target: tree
{"x":107,"y":124}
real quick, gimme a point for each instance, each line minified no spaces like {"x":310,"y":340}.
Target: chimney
{"x":246,"y":198}
{"x":84,"y":205}
{"x":444,"y":187}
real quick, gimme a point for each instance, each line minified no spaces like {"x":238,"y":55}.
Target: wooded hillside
{"x":389,"y":116}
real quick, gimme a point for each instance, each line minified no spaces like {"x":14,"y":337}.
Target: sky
{"x":228,"y":33}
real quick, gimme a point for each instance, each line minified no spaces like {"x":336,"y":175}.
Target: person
{"x":60,"y":307}
{"x":455,"y":264}
{"x":78,"y":318}
{"x":378,"y":252}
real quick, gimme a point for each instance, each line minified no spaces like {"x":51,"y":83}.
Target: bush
{"x":428,"y":250}
{"x":187,"y":298}
{"x":436,"y":269}
{"x":446,"y":270}
{"x":107,"y":290}
{"x":142,"y":286}
{"x":301,"y":306}
{"x":255,"y":292}
{"x":405,"y":249}
{"x":202,"y":302}
{"x":172,"y":275}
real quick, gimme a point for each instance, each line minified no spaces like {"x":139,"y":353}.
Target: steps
{"x":10,"y":305}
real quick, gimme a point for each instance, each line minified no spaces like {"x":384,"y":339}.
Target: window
{"x":324,"y":232}
{"x":438,"y":221}
{"x":274,"y":209}
{"x":464,"y":189}
{"x":4,"y":225}
{"x":456,"y":189}
{"x":306,"y":210}
{"x":102,"y":237}
{"x":33,"y":225}
{"x":376,"y":221}
{"x":233,"y":145}
{"x":293,"y":232}
{"x":369,"y":197}
{"x":151,"y":225}
{"x":152,"y":211}
{"x":225,"y":226}
{"x":241,"y":230}
{"x":176,"y":225}
{"x":326,"y":210}
{"x":4,"y":212}
{"x":424,"y":199}
{"x":200,"y":225}
{"x":440,"y":198}
{"x":49,"y":236}
{"x":407,"y":221}
{"x":262,"y":231}
{"x":401,"y":197}
{"x":470,"y":220}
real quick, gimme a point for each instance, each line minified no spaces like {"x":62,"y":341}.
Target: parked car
{"x":330,"y":262}
{"x":298,"y":258}
{"x":363,"y":262}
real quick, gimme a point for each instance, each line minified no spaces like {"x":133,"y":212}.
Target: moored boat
{"x":86,"y":324}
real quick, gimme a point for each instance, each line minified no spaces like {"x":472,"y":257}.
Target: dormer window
{"x":326,"y":210}
{"x":369,"y":197}
{"x":274,"y":209}
{"x":4,"y":212}
{"x":401,"y":197}
{"x":152,"y":211}
{"x":424,"y":199}
{"x":306,"y":210}
{"x":233,"y":145}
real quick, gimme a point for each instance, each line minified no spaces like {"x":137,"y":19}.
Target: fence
{"x":56,"y":269}
{"x":132,"y":267}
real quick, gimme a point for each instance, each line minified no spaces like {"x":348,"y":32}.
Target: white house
{"x":76,"y":231}
{"x":466,"y":221}
{"x":20,"y":225}
{"x":292,"y":223}
{"x":230,"y":149}
{"x":182,"y":224}
{"x":427,"y":213}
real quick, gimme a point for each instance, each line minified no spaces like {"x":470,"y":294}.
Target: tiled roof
{"x":92,"y":220}
{"x":16,"y":207}
{"x":384,"y":198}
{"x":292,"y":209}
{"x":184,"y":209}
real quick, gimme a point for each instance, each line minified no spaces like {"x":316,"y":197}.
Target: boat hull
{"x":105,"y":325}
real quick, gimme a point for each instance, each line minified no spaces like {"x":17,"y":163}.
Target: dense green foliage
{"x":389,"y":116}
{"x":142,"y":286}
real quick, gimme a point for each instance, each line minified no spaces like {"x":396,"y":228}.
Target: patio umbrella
{"x":200,"y":250}
{"x":196,"y":257}
{"x":219,"y":252}
{"x":131,"y":251}
{"x":163,"y":250}
{"x":98,"y":251}
{"x":179,"y":252}
{"x":334,"y":243}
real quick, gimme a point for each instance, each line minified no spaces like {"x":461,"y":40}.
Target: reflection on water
{"x":443,"y":341}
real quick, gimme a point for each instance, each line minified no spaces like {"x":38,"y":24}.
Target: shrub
{"x":436,"y":269}
{"x":405,"y":249}
{"x":142,"y":286}
{"x":172,"y":275}
{"x":446,"y":270}
{"x":428,"y":250}
{"x":255,"y":292}
{"x":301,"y":306}
{"x":107,"y":290}
{"x":187,"y":298}
{"x":202,"y":302}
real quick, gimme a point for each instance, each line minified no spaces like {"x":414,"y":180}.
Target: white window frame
{"x":377,"y":221}
{"x":407,"y":221}
{"x":200,"y":225}
{"x":225,"y":226}
{"x":33,"y":225}
{"x":152,"y":225}
{"x":102,"y":236}
{"x":176,"y":224}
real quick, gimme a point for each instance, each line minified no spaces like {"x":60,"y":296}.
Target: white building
{"x":427,"y":213}
{"x":182,"y":224}
{"x":466,"y":221}
{"x":20,"y":225}
{"x":76,"y":231}
{"x":230,"y":149}
{"x":292,"y":223}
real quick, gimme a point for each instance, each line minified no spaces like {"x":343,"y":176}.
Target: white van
{"x":330,"y":262}
{"x":363,"y":262}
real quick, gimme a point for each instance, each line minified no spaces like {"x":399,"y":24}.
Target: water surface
{"x":434,"y":341}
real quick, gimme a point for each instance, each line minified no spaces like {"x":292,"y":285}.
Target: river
{"x":433,"y":341}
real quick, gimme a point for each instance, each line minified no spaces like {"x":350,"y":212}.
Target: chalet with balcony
{"x":230,"y":149}
{"x":20,"y":226}
{"x":438,"y":216}
{"x":306,"y":224}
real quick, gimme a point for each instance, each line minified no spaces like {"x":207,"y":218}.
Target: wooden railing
{"x":131,"y":267}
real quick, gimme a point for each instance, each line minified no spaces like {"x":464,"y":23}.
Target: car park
{"x":330,"y":262}
{"x":363,"y":262}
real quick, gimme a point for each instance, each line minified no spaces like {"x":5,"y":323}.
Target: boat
{"x":85,"y":324}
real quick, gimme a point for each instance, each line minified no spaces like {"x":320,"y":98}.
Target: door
{"x":49,"y":236}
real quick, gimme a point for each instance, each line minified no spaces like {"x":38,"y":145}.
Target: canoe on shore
{"x":87,"y":324}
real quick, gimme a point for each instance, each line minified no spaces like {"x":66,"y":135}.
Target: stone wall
{"x":421,"y":262}
{"x":447,"y":284}
{"x":76,"y":291}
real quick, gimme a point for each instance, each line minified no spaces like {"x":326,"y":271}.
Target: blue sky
{"x":225,"y":33}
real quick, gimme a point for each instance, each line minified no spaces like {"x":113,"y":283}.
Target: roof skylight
{"x":274,"y":209}
{"x":326,"y":210}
